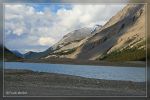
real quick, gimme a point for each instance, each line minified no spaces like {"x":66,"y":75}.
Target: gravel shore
{"x":87,"y":62}
{"x":29,"y":83}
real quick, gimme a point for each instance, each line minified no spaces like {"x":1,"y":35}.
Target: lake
{"x":135,"y":74}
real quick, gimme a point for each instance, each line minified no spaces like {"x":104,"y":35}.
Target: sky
{"x":36,"y":27}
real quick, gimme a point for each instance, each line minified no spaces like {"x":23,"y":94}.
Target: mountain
{"x":1,"y":52}
{"x":96,"y":28}
{"x":69,"y":41}
{"x":68,"y":44}
{"x":10,"y":56}
{"x":121,"y":38}
{"x":33,"y":55}
{"x":17,"y":53}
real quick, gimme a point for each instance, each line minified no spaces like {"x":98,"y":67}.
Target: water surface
{"x":98,"y":72}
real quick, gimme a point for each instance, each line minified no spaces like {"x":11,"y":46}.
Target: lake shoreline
{"x":52,"y":84}
{"x":88,"y":62}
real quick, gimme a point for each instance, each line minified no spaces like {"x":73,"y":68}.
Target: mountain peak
{"x":96,"y":28}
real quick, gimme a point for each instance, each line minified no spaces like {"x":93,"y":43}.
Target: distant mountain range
{"x":122,"y":38}
{"x":17,"y":53}
{"x":8,"y":55}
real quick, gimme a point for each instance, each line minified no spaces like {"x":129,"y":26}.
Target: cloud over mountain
{"x":29,"y":23}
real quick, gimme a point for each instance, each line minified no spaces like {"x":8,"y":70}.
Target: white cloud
{"x":48,"y":27}
{"x":46,"y":41}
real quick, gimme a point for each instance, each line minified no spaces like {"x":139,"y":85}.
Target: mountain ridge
{"x":71,"y":37}
{"x":123,"y":35}
{"x":123,"y":29}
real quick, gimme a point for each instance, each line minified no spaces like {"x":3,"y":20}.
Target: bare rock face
{"x":70,"y":42}
{"x":74,"y":36}
{"x":124,"y":31}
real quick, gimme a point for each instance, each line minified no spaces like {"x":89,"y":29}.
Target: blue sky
{"x":52,"y":7}
{"x":36,"y":27}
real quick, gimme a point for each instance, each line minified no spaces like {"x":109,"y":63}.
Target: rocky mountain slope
{"x":67,"y":43}
{"x":121,"y":38}
{"x":126,"y":30}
